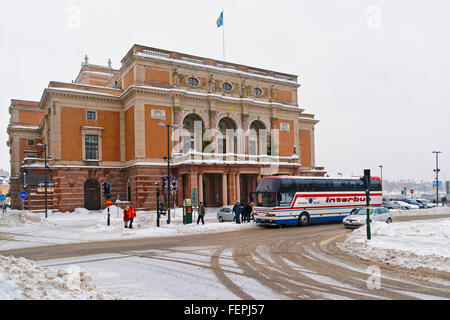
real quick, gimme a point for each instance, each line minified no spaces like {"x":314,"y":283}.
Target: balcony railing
{"x":35,"y":162}
{"x":230,"y":158}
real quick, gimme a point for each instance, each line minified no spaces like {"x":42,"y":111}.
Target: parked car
{"x":397,"y":204}
{"x":225,"y":214}
{"x":414,"y":202}
{"x":427,"y":203}
{"x":358,"y":219}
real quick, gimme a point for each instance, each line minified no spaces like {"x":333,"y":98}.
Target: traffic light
{"x":106,"y":191}
{"x":366,"y":179}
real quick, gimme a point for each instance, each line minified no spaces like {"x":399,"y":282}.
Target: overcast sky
{"x":375,"y":73}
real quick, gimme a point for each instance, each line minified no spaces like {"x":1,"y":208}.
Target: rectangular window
{"x":91,"y":146}
{"x":91,"y":115}
{"x":30,"y":154}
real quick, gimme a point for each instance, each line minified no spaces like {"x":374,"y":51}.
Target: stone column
{"x":238,"y":186}
{"x":224,"y":189}
{"x":200,"y":187}
{"x":192,"y":183}
{"x":232,"y":188}
{"x":212,"y":122}
{"x":244,"y":129}
{"x":180,"y":191}
{"x":176,"y":139}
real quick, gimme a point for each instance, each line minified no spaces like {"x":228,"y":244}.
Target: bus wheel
{"x":303,"y":220}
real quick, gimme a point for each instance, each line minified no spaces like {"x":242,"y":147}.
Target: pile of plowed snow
{"x":409,"y":244}
{"x":18,"y":218}
{"x":21,"y":279}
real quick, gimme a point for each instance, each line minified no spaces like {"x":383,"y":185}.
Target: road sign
{"x":23,"y":194}
{"x":439,"y":184}
{"x":412,"y":191}
{"x":2,"y":197}
{"x":108,"y":202}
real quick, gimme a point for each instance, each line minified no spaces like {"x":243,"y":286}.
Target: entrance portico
{"x":219,"y":185}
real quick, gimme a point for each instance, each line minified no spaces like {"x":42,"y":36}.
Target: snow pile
{"x":419,"y":212}
{"x":147,"y":220}
{"x":19,"y":218}
{"x":411,"y":244}
{"x":21,"y":279}
{"x":81,"y":211}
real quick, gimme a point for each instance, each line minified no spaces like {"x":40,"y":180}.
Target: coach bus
{"x":301,"y":200}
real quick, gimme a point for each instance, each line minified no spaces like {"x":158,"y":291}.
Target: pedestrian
{"x":237,"y":212}
{"x":161,"y":209}
{"x":201,"y":213}
{"x":3,"y":208}
{"x":248,"y":211}
{"x":242,"y":211}
{"x":131,"y":215}
{"x":444,"y":201}
{"x":126,"y":218}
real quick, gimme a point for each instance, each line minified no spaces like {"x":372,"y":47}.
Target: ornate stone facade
{"x":107,"y":126}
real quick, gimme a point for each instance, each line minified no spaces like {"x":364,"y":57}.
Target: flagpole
{"x":223,"y":35}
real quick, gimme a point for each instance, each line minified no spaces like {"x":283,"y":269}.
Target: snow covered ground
{"x":424,"y":243}
{"x":20,"y":229}
{"x":23,"y":279}
{"x":409,"y":244}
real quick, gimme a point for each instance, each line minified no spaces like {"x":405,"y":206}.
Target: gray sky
{"x":375,"y":73}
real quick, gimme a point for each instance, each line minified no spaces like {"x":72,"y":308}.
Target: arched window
{"x":192,"y":134}
{"x":227,"y":142}
{"x":258,"y":141}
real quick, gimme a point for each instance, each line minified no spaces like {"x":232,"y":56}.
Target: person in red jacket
{"x":125,"y":216}
{"x":131,"y":215}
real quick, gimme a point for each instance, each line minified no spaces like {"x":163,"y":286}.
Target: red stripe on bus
{"x":311,"y":207}
{"x":338,"y":195}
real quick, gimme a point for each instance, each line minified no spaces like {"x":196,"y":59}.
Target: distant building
{"x":235,"y":124}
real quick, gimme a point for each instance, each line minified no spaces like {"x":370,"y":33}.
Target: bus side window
{"x":300,"y":185}
{"x":375,"y":185}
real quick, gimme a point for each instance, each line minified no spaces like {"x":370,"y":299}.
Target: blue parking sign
{"x":22,"y":194}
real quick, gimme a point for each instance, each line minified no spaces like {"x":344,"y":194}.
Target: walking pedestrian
{"x":126,"y":218}
{"x":131,"y":216}
{"x":242,"y":211}
{"x":4,"y":206}
{"x":248,"y":211}
{"x":201,"y":213}
{"x":444,"y":201}
{"x":237,"y":212}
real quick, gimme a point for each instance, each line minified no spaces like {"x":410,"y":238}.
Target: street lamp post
{"x":437,"y":176}
{"x":168,"y":165}
{"x":381,"y":173}
{"x":157,"y":204}
{"x":45,"y":175}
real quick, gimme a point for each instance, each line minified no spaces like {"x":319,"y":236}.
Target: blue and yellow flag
{"x":220,"y":20}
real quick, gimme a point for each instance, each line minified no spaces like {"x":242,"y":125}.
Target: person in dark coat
{"x":237,"y":212}
{"x":242,"y":211}
{"x":248,"y":211}
{"x":201,"y":213}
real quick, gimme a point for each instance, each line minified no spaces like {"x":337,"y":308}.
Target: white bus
{"x":301,"y":200}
